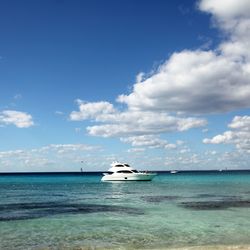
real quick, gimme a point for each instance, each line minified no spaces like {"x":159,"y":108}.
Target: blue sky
{"x":159,"y":84}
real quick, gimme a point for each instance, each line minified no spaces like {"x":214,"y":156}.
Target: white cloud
{"x":202,"y":81}
{"x":136,"y":150}
{"x":89,"y":110}
{"x":233,"y":17}
{"x":241,"y":122}
{"x":189,"y":83}
{"x":17,"y":118}
{"x":226,"y":9}
{"x":140,"y":77}
{"x":128,"y":123}
{"x":180,"y":142}
{"x":211,"y":152}
{"x":59,"y":112}
{"x":208,"y":160}
{"x":185,"y":150}
{"x":150,"y":141}
{"x":11,"y":153}
{"x":52,"y":148}
{"x":170,"y":146}
{"x":65,"y":148}
{"x":54,"y":157}
{"x":193,"y":82}
{"x":238,"y":136}
{"x":131,"y":123}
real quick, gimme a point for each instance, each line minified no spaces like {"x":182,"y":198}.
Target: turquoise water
{"x":80,"y":212}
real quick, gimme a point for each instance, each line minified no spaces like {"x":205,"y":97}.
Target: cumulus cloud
{"x":226,"y":9}
{"x":143,"y":123}
{"x":188,"y":84}
{"x":193,"y":82}
{"x":117,"y":123}
{"x":238,"y":136}
{"x":241,"y":123}
{"x":203,"y":81}
{"x":17,"y":118}
{"x":150,"y":141}
{"x":89,"y":110}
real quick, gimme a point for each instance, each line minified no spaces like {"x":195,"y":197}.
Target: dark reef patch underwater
{"x":214,"y":205}
{"x":159,"y":198}
{"x":217,"y":202}
{"x":23,"y":211}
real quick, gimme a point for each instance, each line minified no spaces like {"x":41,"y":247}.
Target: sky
{"x":159,"y":84}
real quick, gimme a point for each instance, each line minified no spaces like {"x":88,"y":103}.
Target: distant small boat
{"x":173,"y":171}
{"x":124,"y":172}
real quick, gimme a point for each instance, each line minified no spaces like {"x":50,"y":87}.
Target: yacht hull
{"x":129,"y":177}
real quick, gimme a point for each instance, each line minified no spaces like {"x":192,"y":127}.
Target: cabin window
{"x":126,"y":165}
{"x":119,"y":165}
{"x":135,"y":171}
{"x":124,"y":171}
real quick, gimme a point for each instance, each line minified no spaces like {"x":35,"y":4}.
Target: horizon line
{"x":93,"y":172}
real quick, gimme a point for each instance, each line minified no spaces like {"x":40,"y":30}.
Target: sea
{"x":186,"y":210}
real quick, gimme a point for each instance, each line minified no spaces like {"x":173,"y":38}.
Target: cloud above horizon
{"x":17,"y":118}
{"x":190,"y":83}
{"x":148,"y":141}
{"x":47,"y":158}
{"x":203,"y":81}
{"x":239,"y":135}
{"x":129,"y":122}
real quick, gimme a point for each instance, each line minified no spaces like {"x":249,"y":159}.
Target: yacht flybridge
{"x":124,"y":172}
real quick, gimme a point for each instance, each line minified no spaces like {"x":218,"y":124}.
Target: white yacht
{"x":124,"y":172}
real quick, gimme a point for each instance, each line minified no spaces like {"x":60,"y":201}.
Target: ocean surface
{"x":78,"y":211}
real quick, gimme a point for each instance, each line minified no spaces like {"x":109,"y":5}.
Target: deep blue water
{"x":72,"y":211}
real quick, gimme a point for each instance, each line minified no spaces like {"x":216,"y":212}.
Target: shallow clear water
{"x":79,"y":211}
